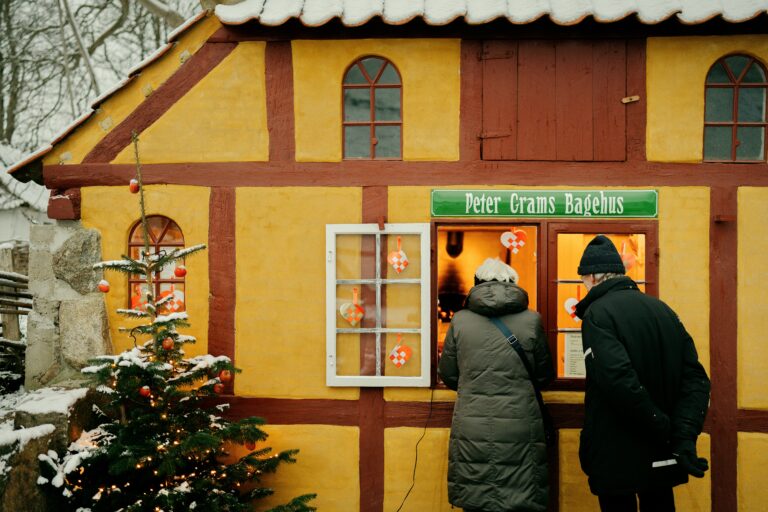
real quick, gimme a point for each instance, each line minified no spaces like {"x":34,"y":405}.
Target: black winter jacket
{"x":645,"y":391}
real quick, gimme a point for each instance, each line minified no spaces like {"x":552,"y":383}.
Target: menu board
{"x":574,"y":356}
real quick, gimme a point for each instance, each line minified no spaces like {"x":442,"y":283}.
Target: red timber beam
{"x":724,"y":413}
{"x":391,"y":173}
{"x":222,"y":276}
{"x":371,"y":413}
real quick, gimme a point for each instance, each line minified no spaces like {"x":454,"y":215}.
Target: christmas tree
{"x":163,"y":444}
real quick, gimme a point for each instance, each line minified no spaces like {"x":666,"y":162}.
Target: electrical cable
{"x":416,"y":462}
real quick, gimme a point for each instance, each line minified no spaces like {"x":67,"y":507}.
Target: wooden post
{"x":10,"y":323}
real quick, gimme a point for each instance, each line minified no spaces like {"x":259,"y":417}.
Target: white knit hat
{"x":493,"y":269}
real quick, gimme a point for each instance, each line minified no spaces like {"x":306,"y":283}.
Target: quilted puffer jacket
{"x":497,"y":457}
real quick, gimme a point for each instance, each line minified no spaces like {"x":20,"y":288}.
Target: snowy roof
{"x":439,"y":12}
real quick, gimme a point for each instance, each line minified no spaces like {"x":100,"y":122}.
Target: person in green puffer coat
{"x":497,"y":456}
{"x":646,"y":392}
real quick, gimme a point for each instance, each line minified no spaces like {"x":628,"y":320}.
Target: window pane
{"x":389,"y":76}
{"x":156,"y":225}
{"x":719,"y":103}
{"x":737,"y":63}
{"x":388,"y":142}
{"x":137,"y":237}
{"x":357,"y":104}
{"x":755,"y":74}
{"x":460,"y":250}
{"x":355,"y":306}
{"x":410,"y":246}
{"x":570,"y":356}
{"x":387,"y":104}
{"x":175,"y":304}
{"x":570,"y":290}
{"x":751,"y":104}
{"x":718,"y":75}
{"x":357,"y":142}
{"x":751,"y":143}
{"x":406,"y":361}
{"x":355,"y":76}
{"x":401,"y":306}
{"x":372,"y":66}
{"x":717,"y":142}
{"x":173,"y":235}
{"x":348,"y":354}
{"x":138,"y":295}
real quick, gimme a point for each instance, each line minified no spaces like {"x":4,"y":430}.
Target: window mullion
{"x":378,"y":304}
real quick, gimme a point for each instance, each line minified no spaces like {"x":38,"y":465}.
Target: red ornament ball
{"x":145,"y":391}
{"x":180,"y":271}
{"x":167,"y":343}
{"x":103,"y":286}
{"x":133,"y":186}
{"x":218,"y":388}
{"x":225,"y":375}
{"x":250,"y":445}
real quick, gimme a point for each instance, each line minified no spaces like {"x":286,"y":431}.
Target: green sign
{"x":545,"y":203}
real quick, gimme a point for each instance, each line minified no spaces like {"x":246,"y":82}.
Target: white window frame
{"x":331,"y":231}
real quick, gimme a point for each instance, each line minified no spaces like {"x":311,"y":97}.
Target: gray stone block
{"x":84,"y":330}
{"x":41,"y":236}
{"x":40,"y":266}
{"x":18,"y":487}
{"x":73,"y":261}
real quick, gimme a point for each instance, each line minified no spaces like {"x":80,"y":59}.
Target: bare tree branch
{"x":78,"y":38}
{"x":124,"y":8}
{"x":171,"y":18}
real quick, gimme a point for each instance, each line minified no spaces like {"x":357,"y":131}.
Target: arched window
{"x":164,"y":235}
{"x":734,"y":118}
{"x":373,"y":121}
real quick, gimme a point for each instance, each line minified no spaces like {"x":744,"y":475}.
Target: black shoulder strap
{"x":512,"y":340}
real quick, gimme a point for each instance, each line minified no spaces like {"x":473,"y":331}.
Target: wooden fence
{"x":15,"y":302}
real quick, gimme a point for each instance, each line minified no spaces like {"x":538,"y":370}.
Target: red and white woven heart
{"x":398,"y":259}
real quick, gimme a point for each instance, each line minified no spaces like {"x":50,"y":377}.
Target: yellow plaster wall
{"x":751,"y":463}
{"x":114,"y":110}
{"x":223,"y":118}
{"x":429,"y":69}
{"x":684,"y":260}
{"x":696,"y":495}
{"x":327,"y":465}
{"x":574,"y":489}
{"x":752,"y":358}
{"x":575,"y":495}
{"x":114,"y":210}
{"x":280,"y":312}
{"x":676,"y":70}
{"x":430,"y":493}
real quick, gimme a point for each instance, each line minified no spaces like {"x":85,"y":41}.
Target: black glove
{"x":685,"y":454}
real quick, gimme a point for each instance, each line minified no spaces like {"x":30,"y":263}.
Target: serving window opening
{"x":546,"y":255}
{"x":463,"y":248}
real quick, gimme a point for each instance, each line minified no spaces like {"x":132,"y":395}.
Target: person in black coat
{"x":646,"y":392}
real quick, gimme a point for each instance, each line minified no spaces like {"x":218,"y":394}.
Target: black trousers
{"x":659,"y":500}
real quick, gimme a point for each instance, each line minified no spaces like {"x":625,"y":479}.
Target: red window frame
{"x":735,"y":84}
{"x":372,"y":86}
{"x":156,"y":243}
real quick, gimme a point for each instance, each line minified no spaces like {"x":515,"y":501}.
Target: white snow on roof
{"x":439,"y":12}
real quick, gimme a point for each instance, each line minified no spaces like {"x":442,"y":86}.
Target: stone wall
{"x":68,"y":324}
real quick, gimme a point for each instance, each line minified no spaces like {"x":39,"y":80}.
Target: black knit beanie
{"x":601,"y":257}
